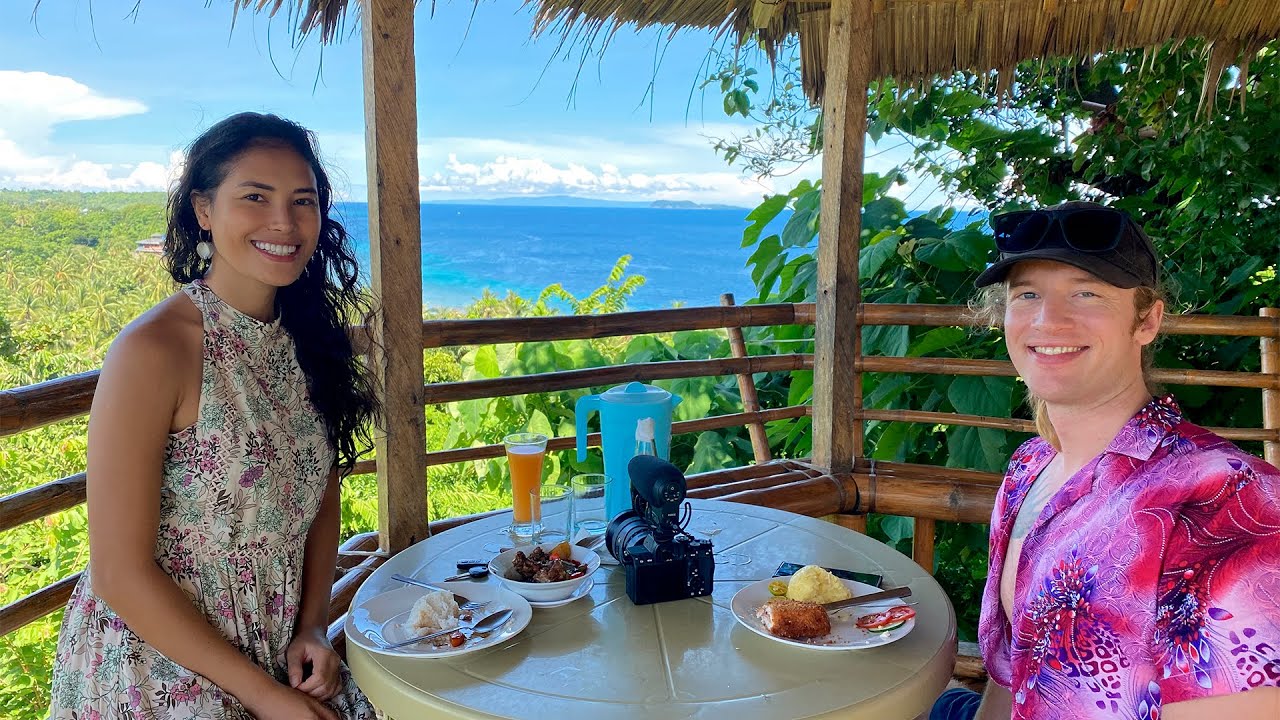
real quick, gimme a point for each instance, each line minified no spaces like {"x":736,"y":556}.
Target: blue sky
{"x":109,"y":102}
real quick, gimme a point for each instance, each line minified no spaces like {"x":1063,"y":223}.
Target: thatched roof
{"x":915,"y":39}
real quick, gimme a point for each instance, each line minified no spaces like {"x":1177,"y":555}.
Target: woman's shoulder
{"x":168,"y":334}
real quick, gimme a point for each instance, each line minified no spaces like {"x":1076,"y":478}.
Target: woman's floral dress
{"x":241,"y":487}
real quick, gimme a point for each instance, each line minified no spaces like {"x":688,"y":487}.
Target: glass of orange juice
{"x":525,"y":453}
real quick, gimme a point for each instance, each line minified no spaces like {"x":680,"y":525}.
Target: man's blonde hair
{"x":988,"y":307}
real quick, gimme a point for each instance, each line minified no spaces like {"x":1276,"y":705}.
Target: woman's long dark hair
{"x":317,"y":306}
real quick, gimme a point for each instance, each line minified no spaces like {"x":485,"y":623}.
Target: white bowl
{"x":500,"y":567}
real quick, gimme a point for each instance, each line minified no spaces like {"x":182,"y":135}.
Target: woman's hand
{"x":312,"y":646}
{"x":286,"y":703}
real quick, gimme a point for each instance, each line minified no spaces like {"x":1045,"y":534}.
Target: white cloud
{"x":647,"y":149}
{"x":664,"y":162}
{"x":31,"y":105}
{"x":508,"y":175}
{"x":39,"y":100}
{"x":85,"y":175}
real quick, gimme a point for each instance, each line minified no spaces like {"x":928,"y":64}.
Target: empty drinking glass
{"x":549,"y":506}
{"x":588,"y":503}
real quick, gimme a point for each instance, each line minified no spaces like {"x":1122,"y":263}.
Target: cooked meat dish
{"x":539,"y":567}
{"x":794,"y":619}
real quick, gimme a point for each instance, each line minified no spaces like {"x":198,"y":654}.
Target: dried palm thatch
{"x":915,"y":39}
{"x":306,"y":16}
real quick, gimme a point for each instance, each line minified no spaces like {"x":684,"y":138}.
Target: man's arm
{"x":1261,"y":703}
{"x":997,"y":703}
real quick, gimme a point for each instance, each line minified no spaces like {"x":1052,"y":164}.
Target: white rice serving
{"x":434,"y":611}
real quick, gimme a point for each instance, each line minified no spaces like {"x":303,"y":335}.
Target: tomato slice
{"x":887,"y":628}
{"x":902,"y":612}
{"x":887,"y":620}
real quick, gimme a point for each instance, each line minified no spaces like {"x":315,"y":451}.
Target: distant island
{"x":690,"y":205}
{"x":574,"y":201}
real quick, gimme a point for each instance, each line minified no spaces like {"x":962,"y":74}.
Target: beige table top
{"x":607,"y":659}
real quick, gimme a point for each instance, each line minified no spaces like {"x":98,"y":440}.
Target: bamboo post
{"x":856,"y":523}
{"x":969,"y":665}
{"x":922,"y":543}
{"x":391,"y":149}
{"x":747,"y":389}
{"x":837,"y":388}
{"x":1271,"y":396}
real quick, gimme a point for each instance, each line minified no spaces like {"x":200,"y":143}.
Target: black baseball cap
{"x":1100,"y":240}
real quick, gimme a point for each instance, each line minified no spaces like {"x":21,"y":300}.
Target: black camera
{"x":662,"y":561}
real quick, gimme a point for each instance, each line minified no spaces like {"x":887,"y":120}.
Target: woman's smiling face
{"x":264,"y":217}
{"x":1072,"y":336}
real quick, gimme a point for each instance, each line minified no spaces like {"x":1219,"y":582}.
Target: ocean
{"x":687,"y":256}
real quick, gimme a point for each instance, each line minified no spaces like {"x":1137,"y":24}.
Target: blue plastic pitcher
{"x":621,"y":411}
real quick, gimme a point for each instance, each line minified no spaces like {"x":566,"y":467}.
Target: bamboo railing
{"x":926,"y":493}
{"x":29,"y":407}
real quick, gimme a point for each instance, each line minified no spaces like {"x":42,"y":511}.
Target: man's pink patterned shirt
{"x":1151,"y":577}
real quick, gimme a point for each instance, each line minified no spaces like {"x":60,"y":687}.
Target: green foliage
{"x":787,"y":132}
{"x":608,"y":298}
{"x":1126,"y":128}
{"x":69,"y":280}
{"x":480,"y":422}
{"x":37,"y":224}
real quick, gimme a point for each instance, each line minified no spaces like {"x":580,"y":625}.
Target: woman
{"x":217,"y":430}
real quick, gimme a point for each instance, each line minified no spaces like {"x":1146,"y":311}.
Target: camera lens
{"x":626,"y":530}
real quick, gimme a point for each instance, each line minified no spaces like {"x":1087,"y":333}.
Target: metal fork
{"x":464,"y":603}
{"x":490,"y":623}
{"x":386,"y":645}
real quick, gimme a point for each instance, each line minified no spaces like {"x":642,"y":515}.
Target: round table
{"x":604,"y":658}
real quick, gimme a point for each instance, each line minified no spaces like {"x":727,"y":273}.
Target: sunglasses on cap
{"x":1095,"y":238}
{"x":1091,"y":230}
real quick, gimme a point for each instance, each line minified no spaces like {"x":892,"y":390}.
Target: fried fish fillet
{"x":794,"y":619}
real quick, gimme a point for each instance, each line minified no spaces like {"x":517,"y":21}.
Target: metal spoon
{"x":486,"y":625}
{"x":472,"y":573}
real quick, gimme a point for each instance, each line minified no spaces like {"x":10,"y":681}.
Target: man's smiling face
{"x":1072,"y":336}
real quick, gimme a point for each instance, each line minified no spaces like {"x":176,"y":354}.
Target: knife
{"x":869,"y":598}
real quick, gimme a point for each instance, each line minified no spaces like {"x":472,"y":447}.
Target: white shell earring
{"x":204,"y":249}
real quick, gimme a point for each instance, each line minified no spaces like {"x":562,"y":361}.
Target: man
{"x":1135,"y":557}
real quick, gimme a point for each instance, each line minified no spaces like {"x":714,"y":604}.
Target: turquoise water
{"x":688,"y":256}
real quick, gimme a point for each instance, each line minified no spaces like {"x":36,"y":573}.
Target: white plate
{"x":583,"y":589}
{"x":385,"y":614}
{"x":845,"y":635}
